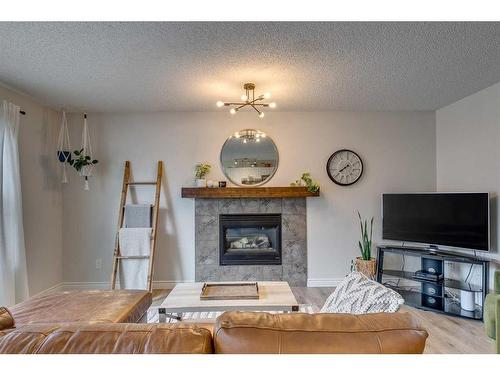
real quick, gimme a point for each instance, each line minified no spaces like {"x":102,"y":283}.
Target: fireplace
{"x":249,"y":239}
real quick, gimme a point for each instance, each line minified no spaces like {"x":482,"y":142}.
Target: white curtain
{"x":13,"y":272}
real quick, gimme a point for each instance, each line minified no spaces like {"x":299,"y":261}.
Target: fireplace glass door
{"x":250,"y":239}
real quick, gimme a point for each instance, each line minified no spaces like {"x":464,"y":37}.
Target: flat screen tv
{"x":449,"y":219}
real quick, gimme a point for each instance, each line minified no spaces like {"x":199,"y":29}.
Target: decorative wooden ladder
{"x":117,"y":257}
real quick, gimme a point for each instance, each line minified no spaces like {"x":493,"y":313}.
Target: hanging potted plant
{"x":201,"y":170}
{"x":64,"y":148}
{"x":84,"y":164}
{"x":365,"y":263}
{"x":83,"y":161}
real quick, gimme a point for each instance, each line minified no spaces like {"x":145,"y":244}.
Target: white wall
{"x":398,"y":150}
{"x":468,"y":149}
{"x":41,"y":191}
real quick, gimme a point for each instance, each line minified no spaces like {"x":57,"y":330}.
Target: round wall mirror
{"x":249,"y":158}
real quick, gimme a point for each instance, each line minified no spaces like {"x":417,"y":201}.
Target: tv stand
{"x":438,"y":296}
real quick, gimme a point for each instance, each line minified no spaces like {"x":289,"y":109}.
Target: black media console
{"x":442,"y":295}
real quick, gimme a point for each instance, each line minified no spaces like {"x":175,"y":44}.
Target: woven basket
{"x":367,"y":267}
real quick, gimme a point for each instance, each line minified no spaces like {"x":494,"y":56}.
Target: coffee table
{"x":185,"y":297}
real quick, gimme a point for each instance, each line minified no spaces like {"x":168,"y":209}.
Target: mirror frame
{"x":260,"y":183}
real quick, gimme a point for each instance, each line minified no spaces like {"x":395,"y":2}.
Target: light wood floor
{"x":447,"y":335}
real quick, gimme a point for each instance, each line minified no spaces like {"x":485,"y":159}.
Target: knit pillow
{"x":357,"y":294}
{"x":6,"y":319}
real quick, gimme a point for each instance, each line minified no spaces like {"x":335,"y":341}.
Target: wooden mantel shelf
{"x":247,"y":192}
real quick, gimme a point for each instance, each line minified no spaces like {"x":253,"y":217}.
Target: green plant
{"x":81,"y":160}
{"x":365,"y":245}
{"x":202,"y":169}
{"x":312,"y":186}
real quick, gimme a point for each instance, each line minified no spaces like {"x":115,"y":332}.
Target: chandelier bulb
{"x":220,"y":104}
{"x":267,"y":95}
{"x":244,"y":98}
{"x":245,"y":141}
{"x":232,"y":111}
{"x":272,"y":105}
{"x":261,"y":115}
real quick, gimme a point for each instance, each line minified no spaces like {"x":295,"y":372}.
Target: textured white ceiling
{"x":120,"y":67}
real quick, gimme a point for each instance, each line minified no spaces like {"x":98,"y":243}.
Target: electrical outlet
{"x":98,"y":263}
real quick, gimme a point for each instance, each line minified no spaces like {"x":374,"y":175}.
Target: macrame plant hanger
{"x":86,"y":170}
{"x":64,"y":148}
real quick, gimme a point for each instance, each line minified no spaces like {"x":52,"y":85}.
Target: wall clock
{"x":344,"y":167}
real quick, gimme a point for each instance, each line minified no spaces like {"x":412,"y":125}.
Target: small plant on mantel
{"x":201,"y":170}
{"x":306,"y":180}
{"x":365,"y":263}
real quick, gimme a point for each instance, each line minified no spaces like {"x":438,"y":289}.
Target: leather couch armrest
{"x":6,"y":319}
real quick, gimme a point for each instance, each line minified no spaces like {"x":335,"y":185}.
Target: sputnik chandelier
{"x":249,"y":99}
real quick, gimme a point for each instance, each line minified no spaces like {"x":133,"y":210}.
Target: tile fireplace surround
{"x":294,"y":245}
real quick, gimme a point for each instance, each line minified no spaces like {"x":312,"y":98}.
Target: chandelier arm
{"x":241,"y":106}
{"x":233,"y":103}
{"x":253,"y":106}
{"x":255,"y":100}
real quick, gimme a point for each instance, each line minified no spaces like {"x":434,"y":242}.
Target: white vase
{"x":201,"y":182}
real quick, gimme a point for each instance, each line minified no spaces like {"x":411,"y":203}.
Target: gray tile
{"x":206,"y":228}
{"x":206,"y":206}
{"x":294,"y":227}
{"x":271,"y":273}
{"x":207,"y":252}
{"x":294,"y":251}
{"x":296,"y":206}
{"x":261,"y":206}
{"x":207,"y":273}
{"x":230,"y":206}
{"x":240,"y":273}
{"x":295,"y":274}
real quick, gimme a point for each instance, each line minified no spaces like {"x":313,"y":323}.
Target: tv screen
{"x":450,"y":219}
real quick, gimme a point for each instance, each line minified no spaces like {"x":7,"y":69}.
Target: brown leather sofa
{"x":233,"y":332}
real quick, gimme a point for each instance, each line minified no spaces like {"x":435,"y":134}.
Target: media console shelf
{"x":439,"y":296}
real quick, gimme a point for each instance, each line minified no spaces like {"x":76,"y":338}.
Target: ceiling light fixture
{"x":249,"y":99}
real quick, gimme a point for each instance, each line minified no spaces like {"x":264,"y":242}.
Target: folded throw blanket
{"x":138,"y":216}
{"x":134,"y":272}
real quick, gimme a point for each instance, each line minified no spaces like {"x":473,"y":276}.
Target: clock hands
{"x":344,"y":167}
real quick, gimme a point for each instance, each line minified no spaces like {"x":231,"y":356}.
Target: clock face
{"x":344,"y":167}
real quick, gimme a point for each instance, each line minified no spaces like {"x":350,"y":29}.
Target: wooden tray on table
{"x":227,"y":291}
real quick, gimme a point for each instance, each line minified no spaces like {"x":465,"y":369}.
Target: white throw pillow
{"x":357,"y":294}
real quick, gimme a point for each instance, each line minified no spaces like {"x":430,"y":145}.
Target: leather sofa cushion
{"x":104,"y":306}
{"x":6,"y":319}
{"x":250,"y":332}
{"x":116,"y":338}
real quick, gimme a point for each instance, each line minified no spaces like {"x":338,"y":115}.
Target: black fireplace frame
{"x":227,"y":221}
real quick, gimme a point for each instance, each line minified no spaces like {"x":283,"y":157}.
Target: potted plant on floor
{"x":365,"y":263}
{"x":202,"y":169}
